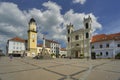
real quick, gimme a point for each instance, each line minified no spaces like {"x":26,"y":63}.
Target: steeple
{"x":70,"y":28}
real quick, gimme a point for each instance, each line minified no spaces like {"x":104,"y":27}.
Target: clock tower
{"x":32,"y":38}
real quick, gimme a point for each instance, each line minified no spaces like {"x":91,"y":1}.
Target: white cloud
{"x":14,"y":22}
{"x":79,"y":1}
{"x":77,"y":20}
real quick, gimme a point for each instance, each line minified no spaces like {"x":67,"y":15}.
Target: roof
{"x":41,"y":45}
{"x":17,"y":39}
{"x":105,"y":37}
{"x":32,"y":20}
{"x":52,"y":41}
{"x":63,"y":49}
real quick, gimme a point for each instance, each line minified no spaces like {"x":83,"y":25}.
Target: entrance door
{"x":76,"y":54}
{"x":93,"y":55}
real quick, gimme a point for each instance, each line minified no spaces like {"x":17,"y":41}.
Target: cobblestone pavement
{"x":59,"y":69}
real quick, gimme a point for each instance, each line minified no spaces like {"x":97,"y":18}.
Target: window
{"x":87,"y":35}
{"x":106,"y":53}
{"x":107,"y":45}
{"x":101,"y":46}
{"x":92,"y":46}
{"x":68,"y":39}
{"x":33,"y":41}
{"x":86,"y":25}
{"x":68,"y":31}
{"x":77,"y":44}
{"x":118,"y":45}
{"x":77,"y":37}
{"x":100,"y":53}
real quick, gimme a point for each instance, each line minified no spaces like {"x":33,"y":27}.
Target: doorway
{"x":93,"y":55}
{"x":76,"y":54}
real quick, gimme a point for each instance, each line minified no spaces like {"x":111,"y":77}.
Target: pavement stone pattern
{"x":59,"y":69}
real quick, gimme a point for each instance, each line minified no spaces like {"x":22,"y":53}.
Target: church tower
{"x":32,"y":38}
{"x":87,"y":35}
{"x":70,"y":29}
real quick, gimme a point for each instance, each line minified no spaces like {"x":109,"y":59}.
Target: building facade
{"x":54,"y":46}
{"x":63,"y":52}
{"x":105,"y":46}
{"x":40,"y":47}
{"x":16,"y":46}
{"x":78,"y":42}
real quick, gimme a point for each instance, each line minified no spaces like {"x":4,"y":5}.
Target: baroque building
{"x":78,"y":41}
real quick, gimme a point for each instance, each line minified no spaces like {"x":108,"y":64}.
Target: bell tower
{"x":32,"y":38}
{"x":70,"y":29}
{"x":87,"y":35}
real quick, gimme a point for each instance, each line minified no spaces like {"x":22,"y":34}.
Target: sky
{"x":52,"y":16}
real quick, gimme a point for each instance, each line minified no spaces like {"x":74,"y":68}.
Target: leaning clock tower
{"x":32,"y":38}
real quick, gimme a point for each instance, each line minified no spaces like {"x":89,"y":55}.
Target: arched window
{"x":87,"y":35}
{"x":68,"y":39}
{"x":86,"y":25}
{"x":68,"y":31}
{"x":77,"y":37}
{"x":106,"y":53}
{"x":100,"y":53}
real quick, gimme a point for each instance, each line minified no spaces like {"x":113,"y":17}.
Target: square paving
{"x":59,"y":69}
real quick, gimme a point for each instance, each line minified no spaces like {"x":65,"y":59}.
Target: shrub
{"x":117,"y":56}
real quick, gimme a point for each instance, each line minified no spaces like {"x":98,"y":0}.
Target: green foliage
{"x":53,"y":55}
{"x":98,"y":55}
{"x":117,"y":56}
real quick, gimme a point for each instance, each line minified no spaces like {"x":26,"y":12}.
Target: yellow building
{"x":32,"y":38}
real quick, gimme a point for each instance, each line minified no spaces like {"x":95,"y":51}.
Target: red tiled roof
{"x":51,"y":41}
{"x":41,"y":45}
{"x":63,"y":49}
{"x":104,"y":37}
{"x":17,"y":39}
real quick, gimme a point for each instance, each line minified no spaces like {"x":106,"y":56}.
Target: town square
{"x":59,"y":40}
{"x":59,"y":69}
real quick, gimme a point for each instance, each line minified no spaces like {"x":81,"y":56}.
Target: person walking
{"x":11,"y":57}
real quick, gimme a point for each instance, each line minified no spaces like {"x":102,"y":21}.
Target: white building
{"x":40,"y":47}
{"x":54,"y":46}
{"x":105,"y":46}
{"x":63,"y":52}
{"x":16,"y":46}
{"x":79,"y":41}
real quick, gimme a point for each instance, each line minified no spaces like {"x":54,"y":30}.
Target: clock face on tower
{"x":33,"y":35}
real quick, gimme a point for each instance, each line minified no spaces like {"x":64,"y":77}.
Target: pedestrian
{"x":11,"y":57}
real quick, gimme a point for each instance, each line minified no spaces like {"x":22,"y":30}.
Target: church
{"x":78,"y":41}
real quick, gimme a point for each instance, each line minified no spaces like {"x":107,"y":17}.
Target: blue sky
{"x":52,"y":15}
